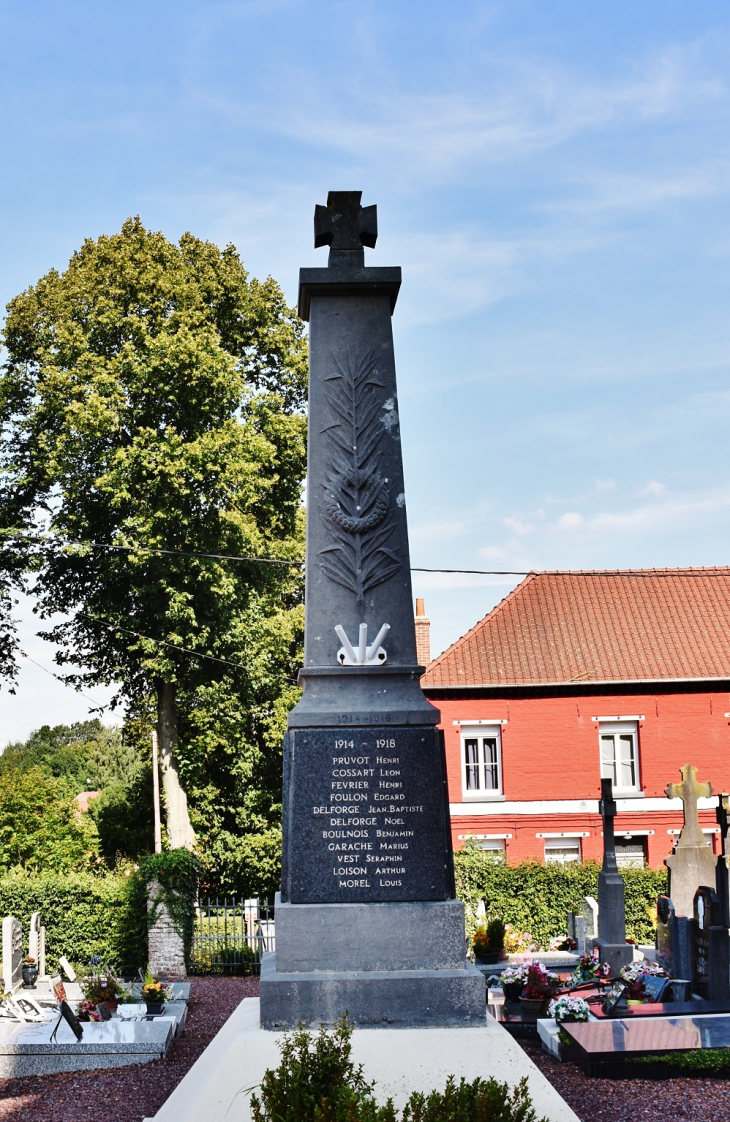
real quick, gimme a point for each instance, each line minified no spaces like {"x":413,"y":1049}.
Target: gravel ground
{"x":132,"y":1093}
{"x":127,"y":1094}
{"x":635,"y":1100}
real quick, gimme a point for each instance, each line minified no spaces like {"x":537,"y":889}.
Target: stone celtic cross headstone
{"x":693,"y":863}
{"x":12,"y":953}
{"x":367,"y":896}
{"x":611,"y":941}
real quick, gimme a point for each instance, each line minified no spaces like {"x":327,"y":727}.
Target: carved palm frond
{"x":357,"y":501}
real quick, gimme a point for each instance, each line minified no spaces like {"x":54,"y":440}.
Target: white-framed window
{"x":631,"y":854}
{"x":481,"y":761}
{"x":562,"y":851}
{"x":619,"y":747}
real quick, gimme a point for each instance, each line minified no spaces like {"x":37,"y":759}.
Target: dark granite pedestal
{"x":367,"y":921}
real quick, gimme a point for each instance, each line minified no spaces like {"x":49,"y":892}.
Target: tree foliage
{"x":152,"y":401}
{"x":39,"y":827}
{"x":43,"y":825}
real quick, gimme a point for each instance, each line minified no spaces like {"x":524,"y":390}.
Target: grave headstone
{"x":590,"y":917}
{"x":693,"y":863}
{"x":577,"y":931}
{"x":368,"y":919}
{"x":711,"y":976}
{"x":722,"y":868}
{"x":674,"y":941}
{"x":37,"y":944}
{"x":12,"y":953}
{"x":611,"y":942}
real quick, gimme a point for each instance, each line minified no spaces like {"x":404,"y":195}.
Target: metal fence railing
{"x":230,"y":935}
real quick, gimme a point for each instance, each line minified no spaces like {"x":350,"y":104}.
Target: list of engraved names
{"x":368,"y":822}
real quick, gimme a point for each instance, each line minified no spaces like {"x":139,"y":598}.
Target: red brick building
{"x":576,"y":675}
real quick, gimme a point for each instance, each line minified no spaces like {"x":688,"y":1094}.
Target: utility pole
{"x":156,"y":795}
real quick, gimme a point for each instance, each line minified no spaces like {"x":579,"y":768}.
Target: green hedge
{"x":537,"y":898}
{"x":83,"y":915}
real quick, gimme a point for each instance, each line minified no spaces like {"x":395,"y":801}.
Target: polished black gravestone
{"x":711,"y":952}
{"x":367,"y":921}
{"x":608,"y":1048}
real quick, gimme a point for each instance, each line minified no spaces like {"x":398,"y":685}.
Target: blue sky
{"x":553,"y":178}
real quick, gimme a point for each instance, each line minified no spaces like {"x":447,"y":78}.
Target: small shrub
{"x":317,"y":1081}
{"x":224,"y":958}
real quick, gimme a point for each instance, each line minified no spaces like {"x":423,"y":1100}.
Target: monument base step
{"x":396,"y":998}
{"x":617,"y":955}
{"x":399,"y":1061}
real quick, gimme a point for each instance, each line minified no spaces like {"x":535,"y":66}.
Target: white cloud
{"x":493,"y":552}
{"x":570,"y":521}
{"x":518,"y":525}
{"x":601,"y":485}
{"x":653,"y":487}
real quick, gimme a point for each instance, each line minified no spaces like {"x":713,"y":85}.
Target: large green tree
{"x":152,"y":401}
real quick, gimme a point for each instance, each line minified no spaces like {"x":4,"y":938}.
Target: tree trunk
{"x":179,"y":831}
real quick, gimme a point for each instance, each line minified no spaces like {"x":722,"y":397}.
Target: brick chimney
{"x":423,"y":634}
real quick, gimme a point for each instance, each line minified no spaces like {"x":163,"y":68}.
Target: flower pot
{"x":155,"y":1008}
{"x":512,"y":990}
{"x":30,"y":973}
{"x":487,"y":958}
{"x":532,"y":1004}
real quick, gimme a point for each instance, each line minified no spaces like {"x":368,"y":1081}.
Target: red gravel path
{"x":635,"y":1100}
{"x":127,"y":1094}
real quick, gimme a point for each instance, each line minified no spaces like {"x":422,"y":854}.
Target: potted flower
{"x":101,"y":987}
{"x":86,"y":1011}
{"x":589,"y":967}
{"x":562,"y":943}
{"x":154,"y":994}
{"x":540,"y":985}
{"x":513,"y":980}
{"x":30,"y":973}
{"x":488,"y":942}
{"x":568,"y":1010}
{"x":634,"y":975}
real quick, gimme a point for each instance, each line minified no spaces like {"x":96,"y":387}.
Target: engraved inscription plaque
{"x":365,"y":816}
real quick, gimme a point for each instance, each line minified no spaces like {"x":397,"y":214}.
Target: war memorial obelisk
{"x":367,"y":921}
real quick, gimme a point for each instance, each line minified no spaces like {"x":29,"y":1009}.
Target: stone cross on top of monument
{"x":689,"y":791}
{"x":345,"y":227}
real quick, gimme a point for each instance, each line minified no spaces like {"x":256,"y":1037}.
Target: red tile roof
{"x":597,"y":625}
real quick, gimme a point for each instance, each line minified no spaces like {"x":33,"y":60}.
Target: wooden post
{"x":156,"y":795}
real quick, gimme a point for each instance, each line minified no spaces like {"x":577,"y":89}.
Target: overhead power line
{"x":708,"y":570}
{"x":63,"y":682}
{"x":161,"y":642}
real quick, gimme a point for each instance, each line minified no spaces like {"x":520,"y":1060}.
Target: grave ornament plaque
{"x":367,"y":919}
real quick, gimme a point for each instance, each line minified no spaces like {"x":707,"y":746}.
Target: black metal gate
{"x":230,"y":935}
